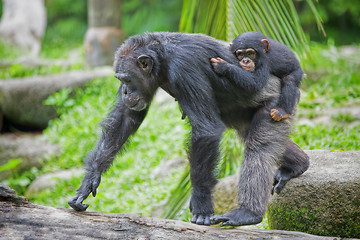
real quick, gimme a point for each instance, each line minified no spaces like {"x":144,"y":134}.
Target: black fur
{"x":179,"y":63}
{"x":279,"y":60}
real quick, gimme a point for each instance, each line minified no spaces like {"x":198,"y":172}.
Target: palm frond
{"x":276,"y":19}
{"x":204,"y":17}
{"x":225,"y":19}
{"x":179,"y":196}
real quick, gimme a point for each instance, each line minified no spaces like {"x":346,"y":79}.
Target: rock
{"x":49,"y":180}
{"x":9,"y":195}
{"x":22,"y":99}
{"x":225,"y":194}
{"x":23,"y":23}
{"x":165,"y":168}
{"x":29,"y":150}
{"x":325,"y":200}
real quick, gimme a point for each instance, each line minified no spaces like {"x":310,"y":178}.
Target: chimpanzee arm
{"x":120,"y":123}
{"x":251,"y":82}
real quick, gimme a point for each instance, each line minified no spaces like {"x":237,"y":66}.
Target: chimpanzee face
{"x":247,"y":58}
{"x":138,"y":83}
{"x":250,"y":51}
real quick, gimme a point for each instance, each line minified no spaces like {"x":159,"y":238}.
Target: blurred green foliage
{"x":141,"y":16}
{"x":20,"y":71}
{"x":66,"y":27}
{"x":341,"y":20}
{"x":67,"y":21}
{"x":333,"y":76}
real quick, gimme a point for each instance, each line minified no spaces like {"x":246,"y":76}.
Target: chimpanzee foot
{"x":201,"y":207}
{"x":237,"y":217}
{"x":201,"y":219}
{"x":282,"y":176}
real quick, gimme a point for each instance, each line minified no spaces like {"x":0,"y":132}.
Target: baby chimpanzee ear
{"x":145,"y":63}
{"x":265,"y":42}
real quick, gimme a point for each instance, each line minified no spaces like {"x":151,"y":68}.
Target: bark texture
{"x":20,"y":219}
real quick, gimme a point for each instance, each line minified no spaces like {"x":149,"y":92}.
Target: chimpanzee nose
{"x":246,"y":61}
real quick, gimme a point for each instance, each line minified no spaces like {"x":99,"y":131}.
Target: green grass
{"x":8,"y":51}
{"x":129,"y":179}
{"x":332,"y":78}
{"x":21,"y":71}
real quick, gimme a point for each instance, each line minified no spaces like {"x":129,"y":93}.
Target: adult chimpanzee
{"x":254,"y":50}
{"x":179,"y":63}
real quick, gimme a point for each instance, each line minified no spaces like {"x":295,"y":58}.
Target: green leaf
{"x":11,"y":164}
{"x":179,"y":196}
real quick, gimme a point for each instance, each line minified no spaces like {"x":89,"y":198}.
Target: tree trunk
{"x":20,"y":219}
{"x":23,"y":23}
{"x":104,"y":34}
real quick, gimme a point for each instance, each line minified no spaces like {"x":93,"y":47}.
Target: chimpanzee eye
{"x":239,"y":53}
{"x":251,"y":53}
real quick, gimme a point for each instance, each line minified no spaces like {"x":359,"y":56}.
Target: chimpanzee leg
{"x":294,"y":162}
{"x":117,"y":127}
{"x":203,"y":159}
{"x":265,"y":144}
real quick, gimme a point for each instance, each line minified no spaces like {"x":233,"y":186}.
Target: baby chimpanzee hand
{"x":218,"y":65}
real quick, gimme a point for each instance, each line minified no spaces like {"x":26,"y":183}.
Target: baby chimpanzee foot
{"x":237,"y":217}
{"x":278,"y":114}
{"x":282,"y":176}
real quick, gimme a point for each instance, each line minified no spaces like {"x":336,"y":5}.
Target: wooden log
{"x":20,"y":219}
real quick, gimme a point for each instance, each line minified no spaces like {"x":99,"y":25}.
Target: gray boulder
{"x":28,"y":150}
{"x":49,"y":180}
{"x":325,"y":200}
{"x":21,"y":100}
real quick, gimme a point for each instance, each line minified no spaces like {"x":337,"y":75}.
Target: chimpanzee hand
{"x":278,"y":114}
{"x":237,"y":217}
{"x":219,"y":65}
{"x":282,"y":176}
{"x":89,"y":185}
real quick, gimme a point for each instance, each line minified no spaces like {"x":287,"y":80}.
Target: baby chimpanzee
{"x":260,"y":54}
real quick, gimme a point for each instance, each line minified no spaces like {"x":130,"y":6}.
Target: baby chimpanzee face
{"x":247,"y":58}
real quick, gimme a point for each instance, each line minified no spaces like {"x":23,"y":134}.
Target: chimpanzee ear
{"x":145,"y":63}
{"x":265,"y":42}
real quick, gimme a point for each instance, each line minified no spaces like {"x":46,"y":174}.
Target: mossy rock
{"x":325,"y":200}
